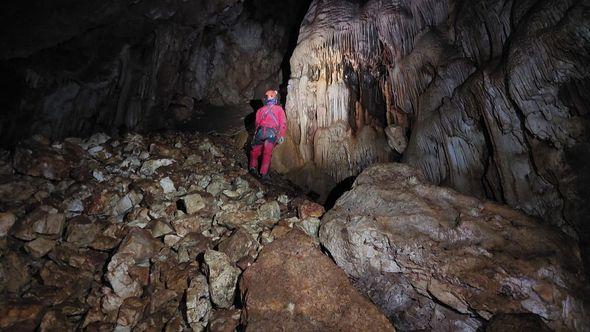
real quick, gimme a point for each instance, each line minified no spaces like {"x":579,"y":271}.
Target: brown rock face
{"x":294,"y":287}
{"x":434,"y":259}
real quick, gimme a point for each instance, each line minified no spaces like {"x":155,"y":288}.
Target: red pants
{"x":266,"y":151}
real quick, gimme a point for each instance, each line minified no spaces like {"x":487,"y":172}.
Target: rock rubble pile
{"x":137,"y":233}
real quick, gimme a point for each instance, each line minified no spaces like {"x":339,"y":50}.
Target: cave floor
{"x":104,"y":229}
{"x":168,"y":231}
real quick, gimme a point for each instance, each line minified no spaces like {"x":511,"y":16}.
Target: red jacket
{"x":272,"y":117}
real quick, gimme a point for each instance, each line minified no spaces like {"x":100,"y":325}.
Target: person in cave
{"x":270,"y":128}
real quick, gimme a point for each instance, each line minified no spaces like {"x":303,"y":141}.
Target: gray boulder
{"x":223,"y":277}
{"x":423,"y":252}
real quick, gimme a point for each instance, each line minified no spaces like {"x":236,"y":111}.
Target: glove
{"x":281,"y":140}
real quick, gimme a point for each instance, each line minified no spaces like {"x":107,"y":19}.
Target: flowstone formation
{"x":488,"y":97}
{"x":135,"y":65}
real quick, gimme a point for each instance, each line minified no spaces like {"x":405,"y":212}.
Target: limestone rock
{"x":128,"y":202}
{"x":310,"y":226}
{"x":101,"y":203}
{"x":397,"y":234}
{"x":515,"y":132}
{"x":198,"y":305}
{"x":41,"y":162}
{"x":234,"y":219}
{"x":396,"y":138}
{"x":150,"y":167}
{"x":54,"y":320}
{"x":39,"y":247}
{"x":270,"y":211}
{"x":43,"y":220}
{"x":294,"y":287}
{"x":222,"y":276}
{"x":226,"y":320}
{"x":307,"y":209}
{"x":238,"y":245}
{"x":167,"y":185}
{"x":94,"y":140}
{"x":130,"y":312}
{"x":51,"y":224}
{"x":279,"y":231}
{"x":140,"y":244}
{"x":192,"y":246}
{"x":190,"y":224}
{"x":209,"y":147}
{"x":216,"y":186}
{"x":83,"y":259}
{"x":82,"y":230}
{"x":20,"y":316}
{"x":65,"y":277}
{"x":130,"y":257}
{"x":193,"y":203}
{"x":283,"y":199}
{"x":122,"y":277}
{"x":14,"y":273}
{"x":7,"y":220}
{"x":160,"y":227}
{"x":104,"y":242}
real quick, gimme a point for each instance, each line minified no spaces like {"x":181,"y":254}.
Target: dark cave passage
{"x":432,"y":174}
{"x":140,"y":66}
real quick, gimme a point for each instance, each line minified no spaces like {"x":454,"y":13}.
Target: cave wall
{"x":492,"y":95}
{"x":72,"y":68}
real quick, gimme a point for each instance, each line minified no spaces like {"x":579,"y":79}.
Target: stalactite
{"x":339,"y":32}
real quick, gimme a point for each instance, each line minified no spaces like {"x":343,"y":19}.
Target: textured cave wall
{"x":493,"y":96}
{"x":71,"y":68}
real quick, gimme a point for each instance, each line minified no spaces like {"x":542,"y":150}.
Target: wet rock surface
{"x":293,"y":286}
{"x":434,"y":259}
{"x":154,"y":237}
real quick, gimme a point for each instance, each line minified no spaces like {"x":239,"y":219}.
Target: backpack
{"x":266,"y":133}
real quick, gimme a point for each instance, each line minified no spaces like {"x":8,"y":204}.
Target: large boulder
{"x":434,"y":259}
{"x":293,"y":286}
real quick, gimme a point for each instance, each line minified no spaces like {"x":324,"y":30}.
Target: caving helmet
{"x":271,"y":97}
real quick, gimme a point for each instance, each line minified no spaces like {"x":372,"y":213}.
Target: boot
{"x":253,"y":171}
